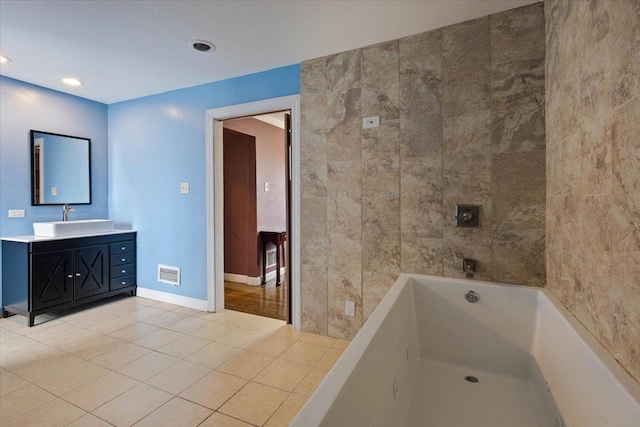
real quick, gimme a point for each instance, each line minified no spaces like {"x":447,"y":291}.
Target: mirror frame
{"x":32,"y":134}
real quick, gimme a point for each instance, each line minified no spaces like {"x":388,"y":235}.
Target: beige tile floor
{"x":134,"y":361}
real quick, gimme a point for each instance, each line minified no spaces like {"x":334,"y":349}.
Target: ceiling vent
{"x":202,"y":46}
{"x":169,"y":274}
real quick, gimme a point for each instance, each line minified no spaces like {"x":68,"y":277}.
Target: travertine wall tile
{"x":421,"y":255}
{"x":466,"y":143}
{"x":593,"y":202}
{"x":389,"y":192}
{"x":314,"y":231}
{"x":421,"y":95}
{"x":344,"y":210}
{"x":465,"y":67}
{"x":507,"y":28}
{"x":344,"y":98}
{"x":345,"y":284}
{"x":381,"y":234}
{"x":314,"y":298}
{"x":625,"y":50}
{"x":519,"y":218}
{"x":459,"y":243}
{"x":313,"y":154}
{"x":467,"y":157}
{"x":627,"y":317}
{"x":375,"y":286}
{"x":517,"y":80}
{"x":313,"y":94}
{"x":421,"y":197}
{"x":380,"y":81}
{"x":626,"y":172}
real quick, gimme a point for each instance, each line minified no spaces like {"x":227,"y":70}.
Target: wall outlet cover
{"x":350,"y":308}
{"x":184,"y":188}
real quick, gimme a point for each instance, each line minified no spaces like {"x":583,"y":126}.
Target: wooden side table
{"x":277,"y":238}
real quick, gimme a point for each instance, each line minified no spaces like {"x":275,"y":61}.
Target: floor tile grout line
{"x":263,"y":332}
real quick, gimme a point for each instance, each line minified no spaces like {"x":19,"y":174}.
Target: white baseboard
{"x":251,"y":281}
{"x":197,"y":304}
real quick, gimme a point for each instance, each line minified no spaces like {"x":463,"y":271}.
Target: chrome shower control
{"x":467,"y":215}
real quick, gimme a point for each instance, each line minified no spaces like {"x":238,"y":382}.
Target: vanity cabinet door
{"x":51,"y":279}
{"x":91,"y":275}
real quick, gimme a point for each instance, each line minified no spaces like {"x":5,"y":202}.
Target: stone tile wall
{"x":593,"y":168}
{"x":461,"y":121}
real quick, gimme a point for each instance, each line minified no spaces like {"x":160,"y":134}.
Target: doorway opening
{"x":256,"y":214}
{"x":215,"y":200}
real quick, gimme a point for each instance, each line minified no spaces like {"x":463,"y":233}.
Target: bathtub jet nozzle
{"x":471,"y":296}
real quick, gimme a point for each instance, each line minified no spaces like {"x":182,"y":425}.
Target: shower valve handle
{"x":465,"y":216}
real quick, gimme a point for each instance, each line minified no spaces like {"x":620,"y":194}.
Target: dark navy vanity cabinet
{"x":44,"y":275}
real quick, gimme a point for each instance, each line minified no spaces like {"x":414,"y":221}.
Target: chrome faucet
{"x":469,"y":267}
{"x":65,"y":212}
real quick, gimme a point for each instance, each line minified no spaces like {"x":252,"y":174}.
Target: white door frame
{"x":215,"y":197}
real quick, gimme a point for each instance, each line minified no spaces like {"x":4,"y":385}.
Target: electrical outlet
{"x":184,"y":188}
{"x":16,"y":213}
{"x":266,"y":186}
{"x":350,"y":308}
{"x":54,"y":191}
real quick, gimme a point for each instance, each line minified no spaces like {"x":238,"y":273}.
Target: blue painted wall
{"x":157,"y":142}
{"x":24,"y":107}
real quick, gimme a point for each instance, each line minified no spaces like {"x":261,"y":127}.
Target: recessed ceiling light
{"x":202,"y":46}
{"x":4,"y":59}
{"x":71,"y":81}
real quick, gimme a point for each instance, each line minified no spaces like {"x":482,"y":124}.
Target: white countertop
{"x":30,"y":239}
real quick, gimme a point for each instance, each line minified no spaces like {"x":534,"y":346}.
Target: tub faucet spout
{"x":469,"y":267}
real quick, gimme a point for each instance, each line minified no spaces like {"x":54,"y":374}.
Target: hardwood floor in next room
{"x":266,"y":300}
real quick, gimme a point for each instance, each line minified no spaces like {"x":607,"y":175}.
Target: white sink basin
{"x":70,"y":228}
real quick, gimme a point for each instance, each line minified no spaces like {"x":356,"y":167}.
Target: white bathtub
{"x":535,"y":363}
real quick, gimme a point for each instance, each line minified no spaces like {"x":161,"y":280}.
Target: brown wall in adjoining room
{"x":593,"y":168}
{"x":461,"y":121}
{"x":271,"y":206}
{"x":240,"y":239}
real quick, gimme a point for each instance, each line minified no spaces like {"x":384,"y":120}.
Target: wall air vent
{"x":271,"y":257}
{"x":169,"y":274}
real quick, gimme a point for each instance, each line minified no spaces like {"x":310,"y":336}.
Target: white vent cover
{"x":169,"y":274}
{"x":271,"y":257}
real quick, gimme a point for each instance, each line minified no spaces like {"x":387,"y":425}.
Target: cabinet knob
{"x":78,"y":274}
{"x":123,"y":271}
{"x":123,"y":259}
{"x":124,"y":283}
{"x":123,"y":248}
{"x":70,"y":276}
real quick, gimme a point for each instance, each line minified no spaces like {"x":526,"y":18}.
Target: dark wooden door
{"x":52,"y":278}
{"x":240,"y":205}
{"x":91,"y":275}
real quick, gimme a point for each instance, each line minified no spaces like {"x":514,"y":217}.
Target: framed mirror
{"x":60,"y":169}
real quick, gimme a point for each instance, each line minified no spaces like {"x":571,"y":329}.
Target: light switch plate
{"x":184,"y":188}
{"x":16,"y":213}
{"x":266,"y":186}
{"x":54,"y":191}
